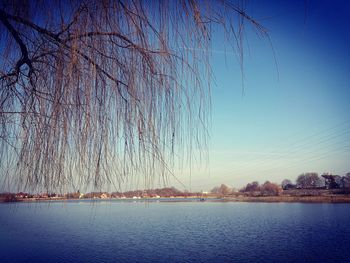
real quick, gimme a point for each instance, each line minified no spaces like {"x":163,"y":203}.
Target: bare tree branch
{"x":106,"y":92}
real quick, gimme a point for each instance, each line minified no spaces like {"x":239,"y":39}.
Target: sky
{"x":294,"y":115}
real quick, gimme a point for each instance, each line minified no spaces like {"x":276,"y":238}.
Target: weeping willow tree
{"x":103,"y":92}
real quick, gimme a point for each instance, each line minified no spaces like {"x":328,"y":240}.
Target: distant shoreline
{"x":293,"y":199}
{"x":257,"y":199}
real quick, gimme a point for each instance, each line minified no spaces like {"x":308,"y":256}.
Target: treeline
{"x":314,"y":181}
{"x":159,"y":192}
{"x":266,"y":189}
{"x":254,"y":189}
{"x":151,"y":193}
{"x":305,"y":181}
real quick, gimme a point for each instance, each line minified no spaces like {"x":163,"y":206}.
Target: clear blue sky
{"x":293,"y":118}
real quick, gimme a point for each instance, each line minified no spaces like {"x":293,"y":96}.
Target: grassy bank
{"x":290,"y":199}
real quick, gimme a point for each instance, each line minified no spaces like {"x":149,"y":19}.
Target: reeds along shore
{"x":295,"y":199}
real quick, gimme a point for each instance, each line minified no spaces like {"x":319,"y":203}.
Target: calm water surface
{"x":111,"y":231}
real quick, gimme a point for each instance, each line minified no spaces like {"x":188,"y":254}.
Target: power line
{"x":297,"y":147}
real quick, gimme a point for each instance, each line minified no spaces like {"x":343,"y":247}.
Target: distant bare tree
{"x":332,"y":181}
{"x":251,"y":187}
{"x":225,"y":190}
{"x":97,"y":92}
{"x":309,"y":180}
{"x":215,"y":190}
{"x":287,"y":184}
{"x":270,"y":189}
{"x":345,"y":181}
{"x":221,"y":190}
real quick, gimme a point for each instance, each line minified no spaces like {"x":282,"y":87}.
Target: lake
{"x":116,"y":231}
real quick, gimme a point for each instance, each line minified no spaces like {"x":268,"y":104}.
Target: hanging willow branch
{"x":101,"y":92}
